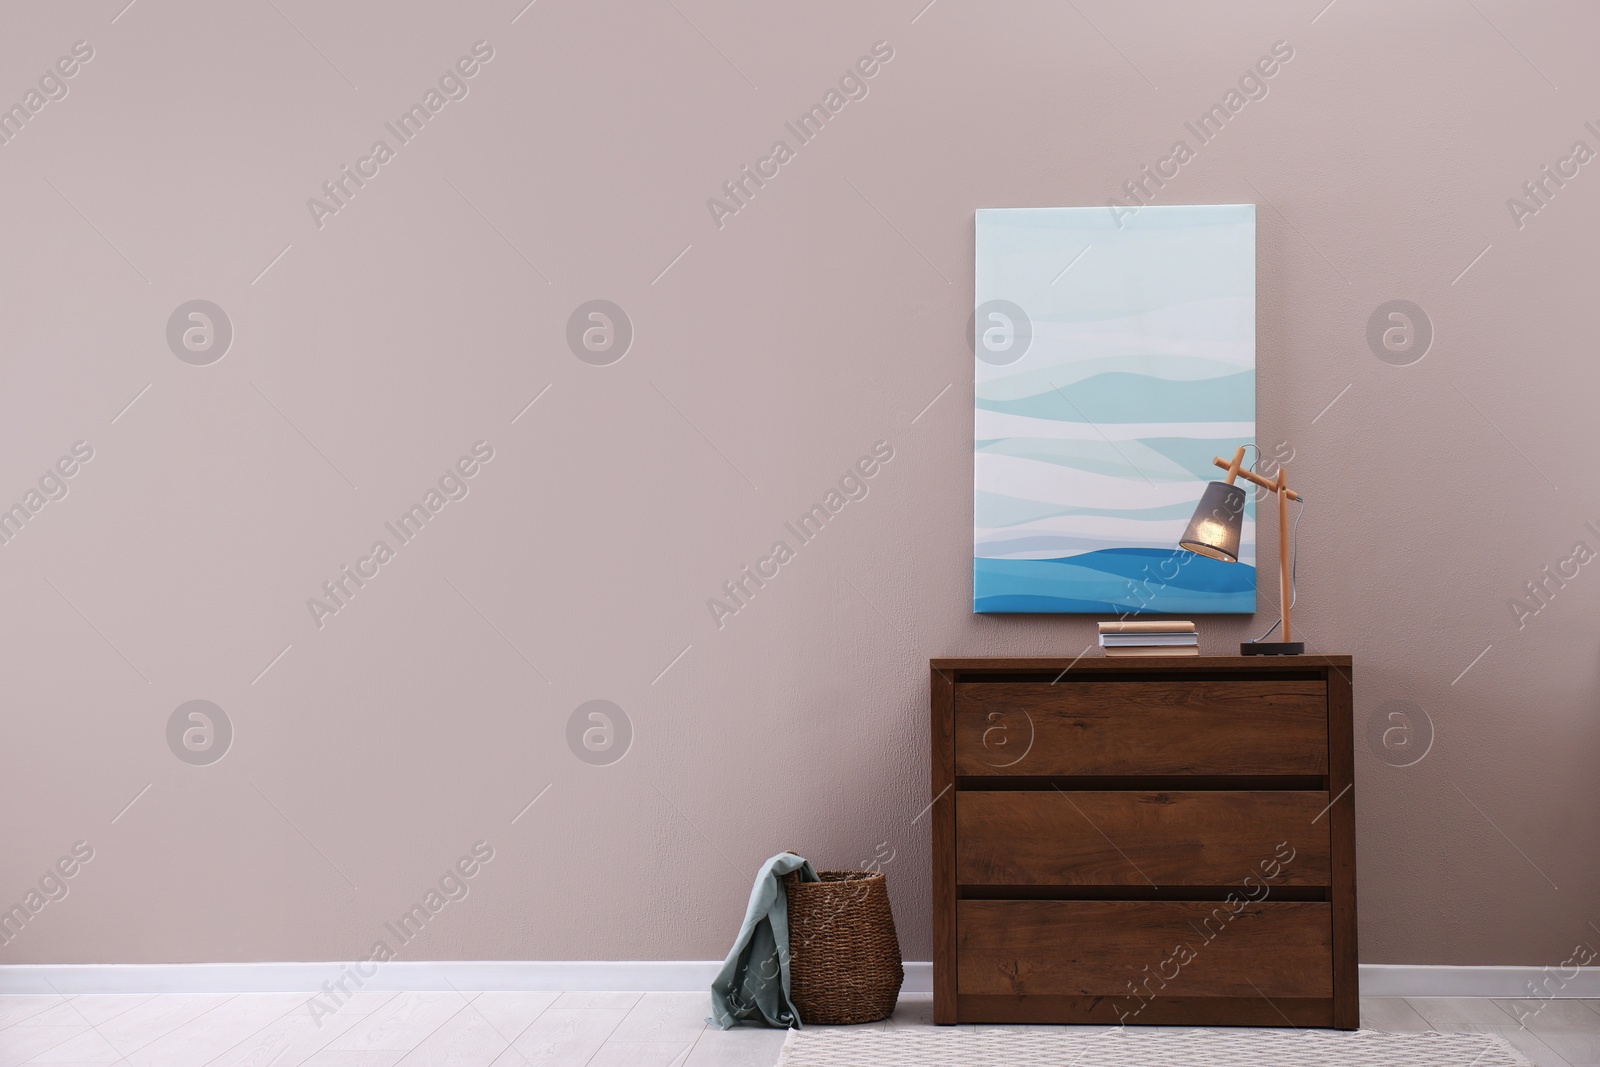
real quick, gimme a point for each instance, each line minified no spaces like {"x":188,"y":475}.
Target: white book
{"x":1130,"y":650}
{"x":1150,"y":640}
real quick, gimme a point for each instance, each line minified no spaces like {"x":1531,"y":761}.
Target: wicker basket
{"x":844,"y":957}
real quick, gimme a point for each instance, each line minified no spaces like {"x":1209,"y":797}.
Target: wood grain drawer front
{"x":1142,"y":728}
{"x":1140,"y":838}
{"x":1102,"y":947}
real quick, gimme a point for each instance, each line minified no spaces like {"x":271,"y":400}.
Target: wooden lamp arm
{"x":1236,"y":470}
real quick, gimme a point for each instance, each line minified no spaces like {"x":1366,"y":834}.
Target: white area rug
{"x":1124,"y":1048}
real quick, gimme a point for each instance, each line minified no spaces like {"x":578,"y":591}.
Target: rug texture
{"x":1128,"y":1048}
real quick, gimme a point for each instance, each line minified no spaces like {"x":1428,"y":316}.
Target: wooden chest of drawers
{"x":1144,"y":840}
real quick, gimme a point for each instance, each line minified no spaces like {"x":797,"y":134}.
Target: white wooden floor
{"x":565,"y":1029}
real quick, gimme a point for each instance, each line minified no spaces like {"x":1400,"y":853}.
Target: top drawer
{"x":1142,"y":728}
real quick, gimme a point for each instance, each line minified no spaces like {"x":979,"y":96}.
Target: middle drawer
{"x":1195,"y":838}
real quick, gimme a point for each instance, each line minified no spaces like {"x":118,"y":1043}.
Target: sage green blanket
{"x":753,"y":984}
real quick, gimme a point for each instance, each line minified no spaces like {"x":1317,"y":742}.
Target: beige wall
{"x":823,"y":317}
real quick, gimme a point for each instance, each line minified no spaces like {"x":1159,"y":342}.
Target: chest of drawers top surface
{"x":1086,"y":665}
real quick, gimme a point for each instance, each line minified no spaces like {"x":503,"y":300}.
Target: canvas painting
{"x":1114,"y":357}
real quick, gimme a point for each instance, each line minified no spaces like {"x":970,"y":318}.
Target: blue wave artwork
{"x":1115,"y":358}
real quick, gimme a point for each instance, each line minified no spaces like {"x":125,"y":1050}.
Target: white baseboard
{"x":1543,"y":983}
{"x":630,"y":975}
{"x":1377,"y":980}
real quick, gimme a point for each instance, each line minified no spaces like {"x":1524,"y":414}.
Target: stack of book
{"x":1165,"y":638}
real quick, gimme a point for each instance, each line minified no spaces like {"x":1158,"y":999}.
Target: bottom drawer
{"x":1121,"y":948}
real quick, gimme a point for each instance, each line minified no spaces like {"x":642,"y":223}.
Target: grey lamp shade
{"x":1214,"y":530}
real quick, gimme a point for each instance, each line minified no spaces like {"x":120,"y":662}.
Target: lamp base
{"x":1272,"y":648}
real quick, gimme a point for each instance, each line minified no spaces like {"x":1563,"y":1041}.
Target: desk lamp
{"x":1214,"y":532}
